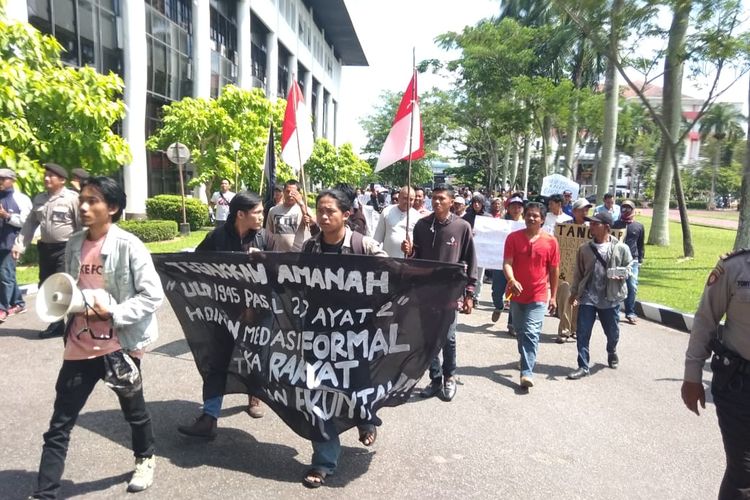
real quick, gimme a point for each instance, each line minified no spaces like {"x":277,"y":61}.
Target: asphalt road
{"x":616,"y":434}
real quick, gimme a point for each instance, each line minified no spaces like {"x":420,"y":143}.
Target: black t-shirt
{"x":326,"y":248}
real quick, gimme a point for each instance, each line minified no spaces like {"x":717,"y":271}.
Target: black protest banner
{"x":317,"y":337}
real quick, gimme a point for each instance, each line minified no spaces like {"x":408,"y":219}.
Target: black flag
{"x":319,"y":338}
{"x":269,"y":169}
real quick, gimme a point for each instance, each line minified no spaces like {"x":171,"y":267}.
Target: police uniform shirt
{"x":727,"y":291}
{"x":56,"y":215}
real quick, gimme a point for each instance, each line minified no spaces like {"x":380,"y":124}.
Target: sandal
{"x":314,"y":478}
{"x":368,"y":435}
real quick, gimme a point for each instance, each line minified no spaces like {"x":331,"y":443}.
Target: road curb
{"x":664,"y":315}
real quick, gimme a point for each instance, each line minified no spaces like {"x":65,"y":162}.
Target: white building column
{"x":272,"y":66}
{"x":201,"y":48}
{"x":319,"y":111}
{"x":133,"y":126}
{"x":244,"y":46}
{"x":17,"y":10}
{"x":308,"y":89}
{"x":329,"y":117}
{"x":292,"y":62}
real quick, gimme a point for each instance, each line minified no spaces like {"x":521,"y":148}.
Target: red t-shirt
{"x":531,"y":262}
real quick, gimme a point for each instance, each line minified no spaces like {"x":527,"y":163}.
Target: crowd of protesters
{"x":75,"y":232}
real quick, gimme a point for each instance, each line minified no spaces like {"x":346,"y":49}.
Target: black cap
{"x":603,"y":217}
{"x":81,"y":174}
{"x":56,"y":169}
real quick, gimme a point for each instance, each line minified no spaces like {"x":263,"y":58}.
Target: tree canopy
{"x":54,"y":113}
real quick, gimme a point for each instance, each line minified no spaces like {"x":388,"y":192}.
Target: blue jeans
{"x":10,"y":294}
{"x":325,"y":456}
{"x":632,"y":290}
{"x":448,"y":368}
{"x":527,"y":322}
{"x":498,"y":288}
{"x":212,"y":406}
{"x":326,"y":453}
{"x":609,"y":318}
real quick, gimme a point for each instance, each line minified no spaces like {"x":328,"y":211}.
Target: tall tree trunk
{"x":672,"y":113}
{"x":717,"y":157}
{"x":506,"y":165}
{"x":514,"y":165}
{"x":492,"y":180}
{"x":572,"y":139}
{"x":609,"y":139}
{"x":526,"y":163}
{"x":743,"y":231}
{"x":546,"y":145}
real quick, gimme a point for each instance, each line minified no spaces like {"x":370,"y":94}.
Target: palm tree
{"x":722,"y":122}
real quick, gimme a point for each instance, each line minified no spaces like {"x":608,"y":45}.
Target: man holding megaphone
{"x":105,"y":341}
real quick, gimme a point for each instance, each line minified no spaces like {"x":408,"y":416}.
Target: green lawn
{"x":716,"y":214}
{"x":30,"y":274}
{"x":666,"y":278}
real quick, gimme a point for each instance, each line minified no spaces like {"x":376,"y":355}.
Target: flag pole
{"x":299,"y":152}
{"x":411,"y":132}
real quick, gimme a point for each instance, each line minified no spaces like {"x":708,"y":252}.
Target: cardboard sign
{"x":571,"y":237}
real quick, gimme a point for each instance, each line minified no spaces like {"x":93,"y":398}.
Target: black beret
{"x":56,"y":169}
{"x":81,"y":174}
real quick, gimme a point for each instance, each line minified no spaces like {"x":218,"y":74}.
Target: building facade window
{"x":169,"y":78}
{"x":224,"y":56}
{"x":86,"y":29}
{"x":258,"y":54}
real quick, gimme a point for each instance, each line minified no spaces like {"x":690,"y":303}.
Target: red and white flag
{"x":396,"y":146}
{"x":296,"y":134}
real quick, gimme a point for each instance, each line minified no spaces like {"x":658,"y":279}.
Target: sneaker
{"x":204,"y":427}
{"x":17,"y":309}
{"x":255,"y":408}
{"x":511,"y":331}
{"x":496,"y":315}
{"x":433,"y":389}
{"x":632,"y":320}
{"x":143,"y":477}
{"x":527,"y":382}
{"x":3,"y":315}
{"x":613,"y":360}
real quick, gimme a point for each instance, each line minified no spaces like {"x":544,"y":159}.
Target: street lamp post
{"x":236,"y":148}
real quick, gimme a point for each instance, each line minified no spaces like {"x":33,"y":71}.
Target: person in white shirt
{"x":289,"y":223}
{"x":391,"y":229}
{"x":555,"y":215}
{"x":220,"y":203}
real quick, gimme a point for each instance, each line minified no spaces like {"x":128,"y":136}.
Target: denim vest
{"x":130,"y":277}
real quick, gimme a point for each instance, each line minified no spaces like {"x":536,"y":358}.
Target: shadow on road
{"x":19,"y":484}
{"x":22,"y":333}
{"x":233,"y":449}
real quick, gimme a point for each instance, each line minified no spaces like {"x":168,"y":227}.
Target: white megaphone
{"x":59,"y":295}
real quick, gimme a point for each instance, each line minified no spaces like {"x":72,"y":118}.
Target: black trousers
{"x":51,"y":259}
{"x":733,"y":410}
{"x":219,"y":355}
{"x":74,"y":384}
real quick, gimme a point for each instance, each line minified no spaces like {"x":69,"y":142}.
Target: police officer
{"x":726,"y":292}
{"x":55,"y":212}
